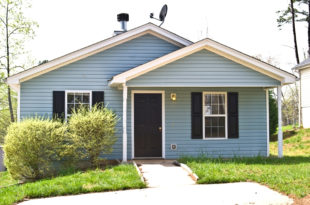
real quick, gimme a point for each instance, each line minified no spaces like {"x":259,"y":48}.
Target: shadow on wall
{"x":2,"y":168}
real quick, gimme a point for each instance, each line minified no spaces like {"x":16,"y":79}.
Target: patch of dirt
{"x":302,"y":201}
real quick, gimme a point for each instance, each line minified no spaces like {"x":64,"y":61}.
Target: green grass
{"x":289,"y":175}
{"x":6,"y":180}
{"x":297,"y":144}
{"x":115,"y":178}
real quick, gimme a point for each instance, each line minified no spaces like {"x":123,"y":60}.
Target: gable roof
{"x":100,"y":46}
{"x":213,"y":46}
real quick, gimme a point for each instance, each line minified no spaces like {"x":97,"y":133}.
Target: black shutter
{"x":196,"y":115}
{"x":98,"y":98}
{"x":233,"y":115}
{"x":59,"y":104}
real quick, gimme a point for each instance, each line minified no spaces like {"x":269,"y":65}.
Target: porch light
{"x":173,"y":96}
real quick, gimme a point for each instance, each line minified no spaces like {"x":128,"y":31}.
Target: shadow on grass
{"x":272,"y":160}
{"x":287,"y":134}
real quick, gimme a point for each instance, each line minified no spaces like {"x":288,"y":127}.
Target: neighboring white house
{"x":304,"y":72}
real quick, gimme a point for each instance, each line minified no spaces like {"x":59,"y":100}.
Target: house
{"x":304,"y":81}
{"x":174,"y":97}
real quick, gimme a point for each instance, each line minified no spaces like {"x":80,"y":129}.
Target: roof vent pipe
{"x":123,"y":18}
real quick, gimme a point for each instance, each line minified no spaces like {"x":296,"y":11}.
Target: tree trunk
{"x":294,"y":31}
{"x":10,"y":105}
{"x":8,"y":60}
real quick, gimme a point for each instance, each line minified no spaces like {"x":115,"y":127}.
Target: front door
{"x":147,"y":125}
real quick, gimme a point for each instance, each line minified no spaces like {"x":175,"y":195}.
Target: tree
{"x":301,"y":10}
{"x":288,"y":16}
{"x":15,"y":29}
{"x":273,"y":113}
{"x":290,"y":105}
{"x":4,"y":111}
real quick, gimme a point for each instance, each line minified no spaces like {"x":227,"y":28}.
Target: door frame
{"x":163,"y":133}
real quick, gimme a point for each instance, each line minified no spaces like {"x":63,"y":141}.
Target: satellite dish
{"x":162,"y":14}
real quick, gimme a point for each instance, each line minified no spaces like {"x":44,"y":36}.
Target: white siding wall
{"x":305,"y":97}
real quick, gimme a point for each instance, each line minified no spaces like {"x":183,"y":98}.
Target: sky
{"x":246,"y":25}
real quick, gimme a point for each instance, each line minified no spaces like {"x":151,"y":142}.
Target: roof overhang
{"x":213,"y":46}
{"x":303,"y":65}
{"x":100,"y":46}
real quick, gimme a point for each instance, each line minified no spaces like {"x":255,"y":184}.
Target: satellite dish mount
{"x":162,"y":14}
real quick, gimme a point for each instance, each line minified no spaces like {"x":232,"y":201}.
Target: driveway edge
{"x":189,"y":171}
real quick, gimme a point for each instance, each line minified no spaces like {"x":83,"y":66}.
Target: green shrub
{"x":273,"y":114}
{"x":92,"y":132}
{"x":33,"y":146}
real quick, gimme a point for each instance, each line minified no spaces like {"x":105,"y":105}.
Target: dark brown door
{"x":148,"y":125}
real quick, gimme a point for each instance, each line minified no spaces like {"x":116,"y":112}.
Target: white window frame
{"x":76,"y":91}
{"x":219,"y":115}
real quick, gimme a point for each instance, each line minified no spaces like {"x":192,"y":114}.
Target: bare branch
{"x":1,"y":19}
{"x":16,"y":29}
{"x":18,"y":66}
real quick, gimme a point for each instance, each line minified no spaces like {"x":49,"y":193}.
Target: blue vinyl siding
{"x":203,"y":69}
{"x":92,"y":73}
{"x":252,"y":139}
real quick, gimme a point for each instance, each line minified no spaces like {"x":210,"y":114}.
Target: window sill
{"x":215,"y":138}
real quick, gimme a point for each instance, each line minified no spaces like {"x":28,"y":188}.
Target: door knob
{"x":159,"y":128}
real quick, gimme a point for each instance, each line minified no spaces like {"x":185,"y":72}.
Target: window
{"x":75,"y":99}
{"x":214,"y":115}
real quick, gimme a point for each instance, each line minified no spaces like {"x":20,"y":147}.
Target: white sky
{"x":246,"y":25}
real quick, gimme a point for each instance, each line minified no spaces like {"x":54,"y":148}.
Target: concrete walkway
{"x":233,"y":193}
{"x":162,"y":173}
{"x":174,"y":186}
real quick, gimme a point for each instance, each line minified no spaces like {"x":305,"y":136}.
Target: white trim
{"x":96,"y":48}
{"x":201,"y":86}
{"x":280,"y":133}
{"x":163,"y":121}
{"x":203,"y":116}
{"x":213,"y":46}
{"x":267,"y":118}
{"x":18,"y":104}
{"x":77,"y":91}
{"x":125,"y":122}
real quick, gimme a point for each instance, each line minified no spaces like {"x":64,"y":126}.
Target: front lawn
{"x":115,"y":178}
{"x":289,"y":175}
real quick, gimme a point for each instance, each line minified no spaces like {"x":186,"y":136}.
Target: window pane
{"x":221,"y":99}
{"x":78,"y":98}
{"x":70,"y":98}
{"x":208,"y":110}
{"x":221,"y":109}
{"x":208,"y":122}
{"x":221,"y":121}
{"x":207,"y":99}
{"x":214,"y":127}
{"x":215,"y":99}
{"x":85,"y":97}
{"x":208,"y":132}
{"x":77,"y":106}
{"x":70,"y":108}
{"x":215,"y":109}
{"x":214,"y":121}
{"x":214,"y":131}
{"x":222,"y":131}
